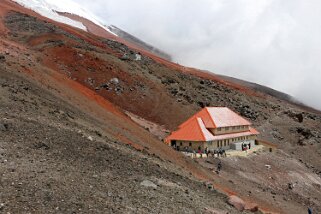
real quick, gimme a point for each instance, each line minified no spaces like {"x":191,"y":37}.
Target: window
{"x":181,"y":144}
{"x":218,"y":143}
{"x":226,"y":128}
{"x":190,"y":144}
{"x":218,"y":129}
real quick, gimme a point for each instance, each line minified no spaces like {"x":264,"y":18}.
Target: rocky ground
{"x":275,"y":177}
{"x":67,"y":145}
{"x":53,"y":161}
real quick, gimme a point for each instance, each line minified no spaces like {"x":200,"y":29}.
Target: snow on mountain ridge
{"x":49,"y":9}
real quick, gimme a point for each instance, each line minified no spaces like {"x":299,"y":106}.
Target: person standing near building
{"x":207,"y":153}
{"x":219,"y":166}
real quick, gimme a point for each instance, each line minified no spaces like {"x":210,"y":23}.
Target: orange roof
{"x":194,"y":130}
{"x":206,"y":118}
{"x":196,"y":127}
{"x":224,"y":117}
{"x":216,"y":117}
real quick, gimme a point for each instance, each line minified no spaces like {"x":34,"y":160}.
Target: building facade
{"x":213,"y":128}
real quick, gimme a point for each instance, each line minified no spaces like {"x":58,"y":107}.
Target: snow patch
{"x":49,"y":9}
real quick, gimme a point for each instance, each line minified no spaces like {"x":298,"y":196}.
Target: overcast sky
{"x":272,"y":42}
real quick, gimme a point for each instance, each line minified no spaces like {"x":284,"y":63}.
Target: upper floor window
{"x":218,"y":129}
{"x":226,"y":128}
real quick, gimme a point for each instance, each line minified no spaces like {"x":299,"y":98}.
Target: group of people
{"x":219,"y":152}
{"x":213,"y":153}
{"x":245,"y":146}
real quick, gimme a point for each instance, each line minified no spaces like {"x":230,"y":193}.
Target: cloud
{"x":271,"y":42}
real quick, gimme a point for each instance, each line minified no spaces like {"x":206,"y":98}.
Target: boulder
{"x":2,"y":205}
{"x":299,"y":117}
{"x":42,"y":145}
{"x":237,"y":202}
{"x":251,"y":207}
{"x":125,"y":57}
{"x":290,"y":186}
{"x":305,"y":132}
{"x":90,"y":81}
{"x":3,"y":127}
{"x":138,"y":57}
{"x":147,"y":183}
{"x":114,"y":81}
{"x":168,"y":80}
{"x":247,"y":112}
{"x":2,"y":58}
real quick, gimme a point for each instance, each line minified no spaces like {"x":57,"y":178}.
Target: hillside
{"x":134,"y":40}
{"x":68,"y":143}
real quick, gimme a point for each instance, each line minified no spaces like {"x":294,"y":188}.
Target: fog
{"x":276,"y":43}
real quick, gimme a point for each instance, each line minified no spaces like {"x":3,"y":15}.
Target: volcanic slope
{"x":57,"y":159}
{"x":65,"y":149}
{"x":97,"y":80}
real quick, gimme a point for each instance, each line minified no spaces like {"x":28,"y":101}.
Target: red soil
{"x":97,"y":30}
{"x":128,"y":132}
{"x":100,"y":32}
